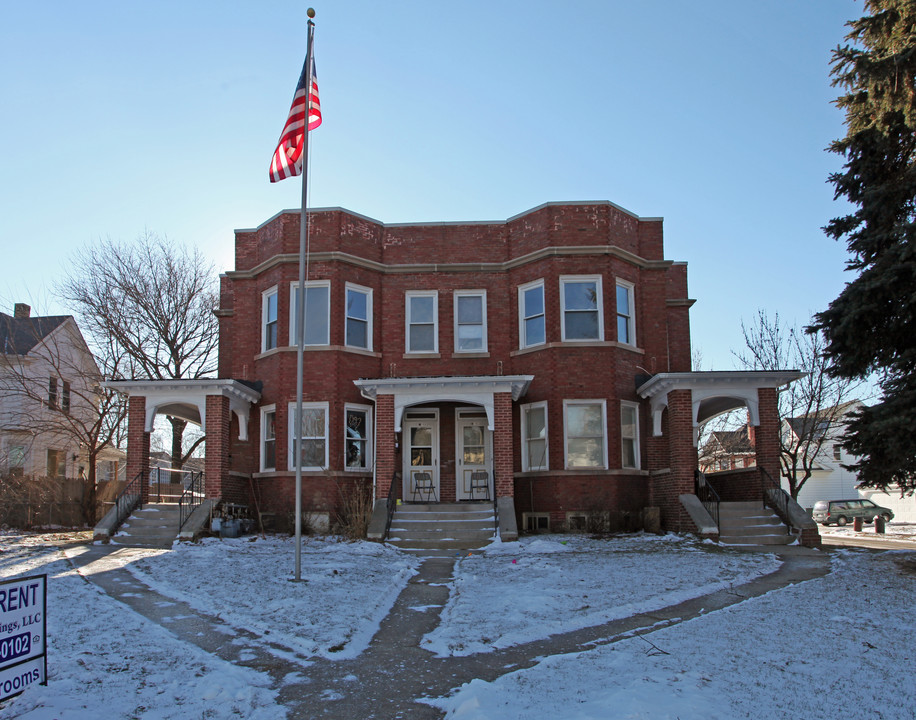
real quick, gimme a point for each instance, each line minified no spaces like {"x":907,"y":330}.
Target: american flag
{"x":287,"y":159}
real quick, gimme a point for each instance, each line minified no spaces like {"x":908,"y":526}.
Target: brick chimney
{"x":21,"y":310}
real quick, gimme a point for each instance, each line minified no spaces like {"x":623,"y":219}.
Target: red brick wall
{"x":579,"y":492}
{"x":137,"y":442}
{"x":216,"y":463}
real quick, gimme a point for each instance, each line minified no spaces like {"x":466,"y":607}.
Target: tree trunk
{"x":178,"y":426}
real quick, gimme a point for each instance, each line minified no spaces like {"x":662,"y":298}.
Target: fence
{"x":31,"y":502}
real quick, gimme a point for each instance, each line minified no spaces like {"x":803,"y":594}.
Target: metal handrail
{"x":777,"y":498}
{"x":392,"y":502}
{"x":707,"y":495}
{"x":191,"y":498}
{"x":130,"y":498}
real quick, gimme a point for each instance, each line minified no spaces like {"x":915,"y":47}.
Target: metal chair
{"x":480,"y":480}
{"x":423,"y":485}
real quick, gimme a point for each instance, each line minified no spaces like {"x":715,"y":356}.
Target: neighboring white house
{"x":47,"y":376}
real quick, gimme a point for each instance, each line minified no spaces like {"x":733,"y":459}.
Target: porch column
{"x":385,"y":454}
{"x":682,"y":461}
{"x":216,"y":461}
{"x":138,"y":444}
{"x":503,"y":476}
{"x":767,"y":433}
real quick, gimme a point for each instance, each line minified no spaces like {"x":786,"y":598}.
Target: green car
{"x":827,"y":512}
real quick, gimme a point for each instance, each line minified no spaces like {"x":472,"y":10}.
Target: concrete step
{"x":442,"y":528}
{"x":783,"y":539}
{"x":153,"y":526}
{"x":749,"y":523}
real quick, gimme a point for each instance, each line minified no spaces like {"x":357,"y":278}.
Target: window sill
{"x":421,"y":356}
{"x":457,"y":354}
{"x":576,"y":344}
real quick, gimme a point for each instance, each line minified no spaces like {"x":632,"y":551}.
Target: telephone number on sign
{"x":15,"y":647}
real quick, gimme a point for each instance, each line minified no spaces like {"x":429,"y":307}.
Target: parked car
{"x":827,"y":512}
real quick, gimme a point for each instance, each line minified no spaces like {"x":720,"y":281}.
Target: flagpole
{"x":300,"y":300}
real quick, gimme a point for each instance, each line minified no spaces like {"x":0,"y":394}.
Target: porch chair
{"x":423,"y":485}
{"x":480,"y":480}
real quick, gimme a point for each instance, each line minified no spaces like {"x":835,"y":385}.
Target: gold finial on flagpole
{"x":310,"y":12}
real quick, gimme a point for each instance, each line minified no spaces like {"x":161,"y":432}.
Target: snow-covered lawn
{"x":893,"y":531}
{"x":783,"y":654}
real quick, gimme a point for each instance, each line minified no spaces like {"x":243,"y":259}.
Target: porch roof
{"x":187,"y":399}
{"x":713,"y":392}
{"x":471,"y":389}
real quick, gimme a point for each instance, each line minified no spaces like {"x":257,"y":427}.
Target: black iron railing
{"x":707,"y":495}
{"x":392,"y":501}
{"x":130,"y":499}
{"x":191,"y":498}
{"x":775,"y":497}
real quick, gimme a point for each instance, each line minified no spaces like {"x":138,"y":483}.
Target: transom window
{"x":470,"y":321}
{"x":313,"y":436}
{"x":581,"y":305}
{"x":626,"y":326}
{"x":317,"y":313}
{"x":534,"y":437}
{"x":359,"y":317}
{"x":532,"y":328}
{"x":586,"y":433}
{"x":422,"y":322}
{"x":269,"y":320}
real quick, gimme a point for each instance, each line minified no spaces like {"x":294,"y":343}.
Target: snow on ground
{"x":816,"y":650}
{"x":893,"y":531}
{"x":105,"y":659}
{"x":544,"y":585}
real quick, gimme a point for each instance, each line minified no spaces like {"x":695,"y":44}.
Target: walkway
{"x":386,"y":679}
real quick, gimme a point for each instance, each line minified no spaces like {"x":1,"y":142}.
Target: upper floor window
{"x":65,"y":398}
{"x":534,"y":437}
{"x":356,"y":437}
{"x":586,"y":433}
{"x":626,"y":325}
{"x":531,"y":320}
{"x":359,"y":317}
{"x":470,"y":321}
{"x":269,"y":320}
{"x":317,"y":313}
{"x":629,"y":435}
{"x":312,"y":439}
{"x":52,"y":393}
{"x":269,"y":438}
{"x":582,"y":308}
{"x":838,"y":452}
{"x":422,"y":321}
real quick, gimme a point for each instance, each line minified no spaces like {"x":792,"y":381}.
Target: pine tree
{"x":871,"y":326}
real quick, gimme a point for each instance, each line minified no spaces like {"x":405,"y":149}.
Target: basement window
{"x":536,"y":522}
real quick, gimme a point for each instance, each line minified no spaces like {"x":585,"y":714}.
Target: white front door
{"x":472,"y":453}
{"x":421,"y":459}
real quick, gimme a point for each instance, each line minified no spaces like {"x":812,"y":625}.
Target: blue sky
{"x":125,"y":117}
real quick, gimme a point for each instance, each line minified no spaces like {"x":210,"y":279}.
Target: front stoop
{"x":749,"y":523}
{"x":155,"y":526}
{"x":442,"y":529}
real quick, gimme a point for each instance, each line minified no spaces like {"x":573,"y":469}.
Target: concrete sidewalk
{"x":386,"y":680}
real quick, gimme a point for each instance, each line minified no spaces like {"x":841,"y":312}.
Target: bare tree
{"x":811,"y":409}
{"x":51,"y":389}
{"x":152,"y":301}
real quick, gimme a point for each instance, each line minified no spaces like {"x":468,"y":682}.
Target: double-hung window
{"x":317,"y":312}
{"x":65,"y":398}
{"x":359,"y":317}
{"x":269,"y":320}
{"x":356,"y":437}
{"x":269,"y":438}
{"x":531,"y":320}
{"x":422,"y":311}
{"x":581,"y":301}
{"x":312,"y":440}
{"x":534,"y":437}
{"x":585,"y":427}
{"x":470,"y":321}
{"x":629,"y":435}
{"x":626,"y":324}
{"x":52,"y":393}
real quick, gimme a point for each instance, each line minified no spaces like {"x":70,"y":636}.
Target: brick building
{"x":550,"y":351}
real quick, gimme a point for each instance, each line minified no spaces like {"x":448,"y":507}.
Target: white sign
{"x":23,"y":606}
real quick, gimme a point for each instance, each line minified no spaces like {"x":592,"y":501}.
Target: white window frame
{"x":567,"y":404}
{"x":482,"y":294}
{"x":526,"y":465}
{"x":265,"y":411}
{"x":265,"y":305}
{"x":625,"y":405}
{"x":352,"y":287}
{"x":291,"y":446}
{"x":367,"y":409}
{"x":630,"y":289}
{"x":523,"y":316}
{"x":293,"y":308}
{"x":599,"y":306}
{"x":408,"y":323}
